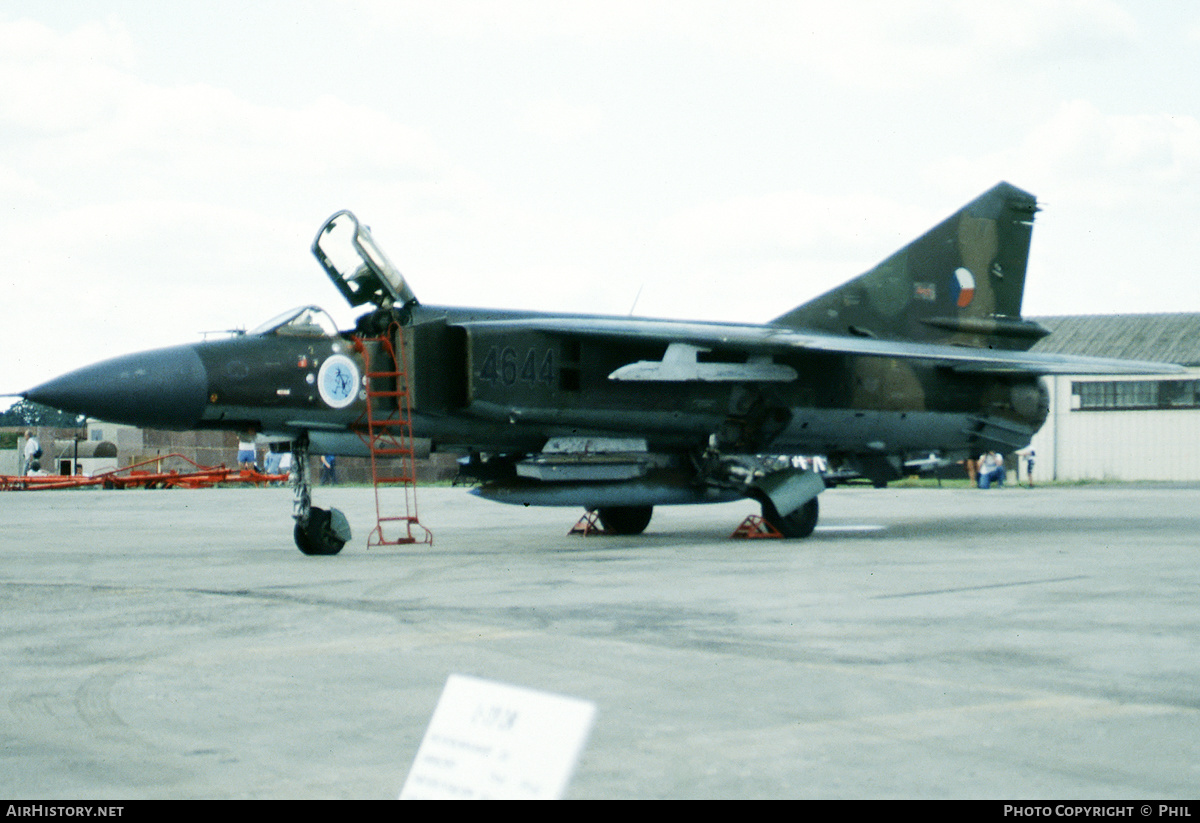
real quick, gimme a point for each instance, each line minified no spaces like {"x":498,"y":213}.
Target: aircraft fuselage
{"x":478,"y":388}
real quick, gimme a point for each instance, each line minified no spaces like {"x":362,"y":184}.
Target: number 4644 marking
{"x":505,"y":365}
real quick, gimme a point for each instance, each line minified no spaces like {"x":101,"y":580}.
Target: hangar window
{"x":1183,"y":394}
{"x":1118,"y":395}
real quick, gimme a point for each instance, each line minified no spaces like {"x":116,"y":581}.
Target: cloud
{"x":728,"y":159}
{"x":153,"y":211}
{"x":1120,"y":195}
{"x":859,"y":43}
{"x":53,"y":82}
{"x":788,"y":223}
{"x":557,"y":121}
{"x":75,"y":110}
{"x":1085,"y":154}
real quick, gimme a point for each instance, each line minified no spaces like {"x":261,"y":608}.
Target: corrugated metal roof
{"x":1164,"y":338}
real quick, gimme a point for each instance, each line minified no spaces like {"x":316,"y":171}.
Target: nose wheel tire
{"x":318,"y":537}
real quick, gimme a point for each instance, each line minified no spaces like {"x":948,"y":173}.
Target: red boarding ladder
{"x":388,"y":436}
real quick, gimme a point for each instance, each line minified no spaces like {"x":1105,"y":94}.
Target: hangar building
{"x":1134,"y":427}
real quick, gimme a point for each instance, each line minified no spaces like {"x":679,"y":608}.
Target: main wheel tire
{"x":799,"y":523}
{"x":318,"y":538}
{"x":625,"y":519}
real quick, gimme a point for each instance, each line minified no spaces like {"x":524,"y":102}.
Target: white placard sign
{"x":492,"y":741}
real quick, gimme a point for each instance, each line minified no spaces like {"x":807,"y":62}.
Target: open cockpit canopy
{"x":359,"y":268}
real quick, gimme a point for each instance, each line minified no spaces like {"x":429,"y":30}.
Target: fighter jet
{"x":926,"y":353}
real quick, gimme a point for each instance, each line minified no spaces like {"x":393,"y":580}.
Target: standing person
{"x":972,"y":467}
{"x":328,"y":470}
{"x":247,"y":460}
{"x":33,"y":450}
{"x":272,"y":460}
{"x":1029,"y":455}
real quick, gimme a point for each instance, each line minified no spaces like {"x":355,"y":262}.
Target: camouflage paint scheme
{"x":924,"y":353}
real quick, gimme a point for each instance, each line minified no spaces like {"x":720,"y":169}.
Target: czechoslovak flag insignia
{"x":963,"y":287}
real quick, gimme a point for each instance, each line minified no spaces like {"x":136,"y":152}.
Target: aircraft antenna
{"x":636,"y":297}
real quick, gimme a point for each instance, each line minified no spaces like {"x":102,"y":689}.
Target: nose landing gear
{"x":317,"y":531}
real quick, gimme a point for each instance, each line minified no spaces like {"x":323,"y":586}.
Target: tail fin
{"x":960,"y":283}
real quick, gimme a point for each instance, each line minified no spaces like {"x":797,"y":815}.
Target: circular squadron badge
{"x":337,"y":381}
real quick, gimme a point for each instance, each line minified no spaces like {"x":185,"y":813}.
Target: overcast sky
{"x":164,"y":166}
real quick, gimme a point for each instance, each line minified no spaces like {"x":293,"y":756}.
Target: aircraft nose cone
{"x":164,"y":388}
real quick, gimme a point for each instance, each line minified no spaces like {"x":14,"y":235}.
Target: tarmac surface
{"x":924,"y":643}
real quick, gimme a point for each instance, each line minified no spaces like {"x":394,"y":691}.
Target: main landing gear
{"x":317,"y":531}
{"x":630,"y":520}
{"x":799,"y":523}
{"x":625,"y":519}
